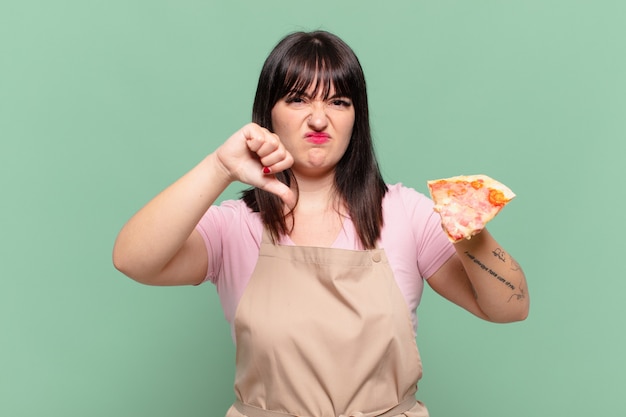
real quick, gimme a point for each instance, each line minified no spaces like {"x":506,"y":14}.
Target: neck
{"x":316,"y":195}
{"x":318,"y":217}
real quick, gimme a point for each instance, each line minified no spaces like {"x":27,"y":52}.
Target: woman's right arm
{"x":159,"y":244}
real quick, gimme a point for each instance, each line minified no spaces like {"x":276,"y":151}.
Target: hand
{"x":252,"y":155}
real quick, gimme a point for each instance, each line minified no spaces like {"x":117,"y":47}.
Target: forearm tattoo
{"x":500,"y":254}
{"x":503,"y":256}
{"x":519,"y":295}
{"x":519,"y":292}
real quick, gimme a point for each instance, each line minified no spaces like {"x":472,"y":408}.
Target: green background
{"x":104,"y":103}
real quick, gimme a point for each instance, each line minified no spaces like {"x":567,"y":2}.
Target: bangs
{"x":316,"y":63}
{"x":319,"y":70}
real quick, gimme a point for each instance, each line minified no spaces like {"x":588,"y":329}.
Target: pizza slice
{"x":467,"y":203}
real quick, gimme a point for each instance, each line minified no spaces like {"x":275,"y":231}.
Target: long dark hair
{"x":297,"y":62}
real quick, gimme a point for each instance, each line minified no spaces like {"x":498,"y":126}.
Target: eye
{"x":341,"y":102}
{"x":294,"y":99}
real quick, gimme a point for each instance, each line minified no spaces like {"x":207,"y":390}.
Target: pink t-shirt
{"x":411,"y":237}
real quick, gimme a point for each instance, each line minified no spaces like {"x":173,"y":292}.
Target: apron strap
{"x":252,"y":411}
{"x":266,"y":237}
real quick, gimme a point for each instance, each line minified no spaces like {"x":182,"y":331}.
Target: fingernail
{"x":266,"y":170}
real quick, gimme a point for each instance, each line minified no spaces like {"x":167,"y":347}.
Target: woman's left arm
{"x":484,"y":279}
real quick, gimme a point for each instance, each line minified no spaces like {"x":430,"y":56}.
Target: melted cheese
{"x":467,"y":203}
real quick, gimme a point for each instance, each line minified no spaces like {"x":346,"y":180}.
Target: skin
{"x":159,"y":244}
{"x":317,"y":219}
{"x":296,"y":116}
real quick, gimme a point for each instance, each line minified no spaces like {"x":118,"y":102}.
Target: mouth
{"x":317,"y":138}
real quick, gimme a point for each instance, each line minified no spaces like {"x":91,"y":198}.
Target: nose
{"x":318,"y":119}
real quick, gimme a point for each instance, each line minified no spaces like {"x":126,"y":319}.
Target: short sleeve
{"x":432,"y":246}
{"x":229,"y":230}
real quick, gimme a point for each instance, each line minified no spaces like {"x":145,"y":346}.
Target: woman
{"x":320,"y":265}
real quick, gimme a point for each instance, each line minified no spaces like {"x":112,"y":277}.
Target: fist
{"x":252,"y":155}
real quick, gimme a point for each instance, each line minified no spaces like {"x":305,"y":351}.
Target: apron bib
{"x":324,"y":332}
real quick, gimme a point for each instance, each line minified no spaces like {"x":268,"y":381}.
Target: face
{"x":316,"y":131}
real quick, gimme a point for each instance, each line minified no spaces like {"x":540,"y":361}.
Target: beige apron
{"x":324,"y":332}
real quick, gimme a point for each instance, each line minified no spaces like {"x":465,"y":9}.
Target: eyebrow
{"x":308,"y":96}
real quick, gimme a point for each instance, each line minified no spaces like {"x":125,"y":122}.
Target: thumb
{"x":280,"y":189}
